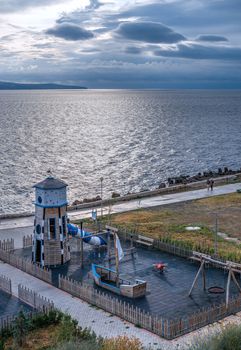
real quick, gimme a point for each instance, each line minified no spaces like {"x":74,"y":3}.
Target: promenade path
{"x":101,"y":322}
{"x":18,"y":227}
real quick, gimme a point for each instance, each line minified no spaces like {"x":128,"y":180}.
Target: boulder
{"x":115,"y":195}
{"x":162,"y":185}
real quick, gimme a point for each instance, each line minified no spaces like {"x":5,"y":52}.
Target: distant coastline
{"x":46,"y":86}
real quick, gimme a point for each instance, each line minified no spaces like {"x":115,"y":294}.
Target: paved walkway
{"x":18,"y":227}
{"x":158,"y":200}
{"x":101,"y":322}
{"x":132,"y":204}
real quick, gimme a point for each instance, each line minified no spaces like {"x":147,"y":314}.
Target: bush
{"x":78,"y":345}
{"x":21,"y":328}
{"x":68,"y":329}
{"x":228,"y":339}
{"x":42,"y":319}
{"x":122,"y":343}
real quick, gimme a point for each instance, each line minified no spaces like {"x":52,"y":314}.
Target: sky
{"x":122,"y":43}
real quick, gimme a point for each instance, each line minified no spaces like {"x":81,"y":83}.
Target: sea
{"x":133,"y":139}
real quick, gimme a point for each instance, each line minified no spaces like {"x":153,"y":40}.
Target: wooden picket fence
{"x":172,"y":249}
{"x":165,"y":328}
{"x":5,"y":284}
{"x":39,"y":303}
{"x":164,"y":246}
{"x":106,"y":302}
{"x":26,"y":265}
{"x":7,"y":244}
{"x":27,"y":241}
{"x":33,"y":299}
{"x":158,"y":243}
{"x":7,"y":322}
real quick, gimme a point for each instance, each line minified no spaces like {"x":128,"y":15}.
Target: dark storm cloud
{"x":134,"y":54}
{"x":70,"y":31}
{"x":149,"y":32}
{"x":200,"y":52}
{"x":189,"y":13}
{"x":7,"y":6}
{"x":211,"y":38}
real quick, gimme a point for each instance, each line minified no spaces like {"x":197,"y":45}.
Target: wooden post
{"x":204,"y":277}
{"x":108,"y":247}
{"x":227,"y":288}
{"x":235,"y":281}
{"x":131,"y":241}
{"x":82,"y":245}
{"x":195,"y":279}
{"x":116,"y":261}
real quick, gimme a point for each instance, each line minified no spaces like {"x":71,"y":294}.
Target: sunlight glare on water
{"x":134,"y":139}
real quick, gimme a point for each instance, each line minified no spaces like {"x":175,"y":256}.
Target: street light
{"x":216,"y":235}
{"x":101,"y":195}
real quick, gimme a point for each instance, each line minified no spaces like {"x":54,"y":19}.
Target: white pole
{"x":101,"y":195}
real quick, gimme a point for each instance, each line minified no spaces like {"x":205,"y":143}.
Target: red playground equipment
{"x":159,"y":267}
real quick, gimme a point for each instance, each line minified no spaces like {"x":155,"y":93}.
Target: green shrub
{"x":68,"y":329}
{"x":42,"y":319}
{"x":21,"y":328}
{"x":78,"y":345}
{"x":228,"y":339}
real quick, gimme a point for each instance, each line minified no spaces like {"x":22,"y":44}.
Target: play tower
{"x":50,"y":242}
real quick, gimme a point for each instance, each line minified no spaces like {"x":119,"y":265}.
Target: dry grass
{"x":39,"y":339}
{"x":169,"y":222}
{"x":122,"y":343}
{"x":160,"y":220}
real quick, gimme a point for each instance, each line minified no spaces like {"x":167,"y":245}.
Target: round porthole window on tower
{"x":38,"y":229}
{"x":39,"y":199}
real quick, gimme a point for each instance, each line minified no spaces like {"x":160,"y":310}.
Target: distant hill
{"x":20,"y":86}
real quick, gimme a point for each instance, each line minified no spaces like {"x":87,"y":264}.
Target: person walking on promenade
{"x":211,"y":184}
{"x":208,"y":184}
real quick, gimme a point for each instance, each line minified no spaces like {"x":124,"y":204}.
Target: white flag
{"x":119,"y":248}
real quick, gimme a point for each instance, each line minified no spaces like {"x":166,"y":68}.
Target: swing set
{"x":231,"y":267}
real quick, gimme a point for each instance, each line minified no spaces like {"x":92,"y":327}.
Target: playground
{"x":167,"y":289}
{"x":151,"y":280}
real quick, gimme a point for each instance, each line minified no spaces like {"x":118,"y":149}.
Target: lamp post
{"x":216,"y":235}
{"x":101,"y":195}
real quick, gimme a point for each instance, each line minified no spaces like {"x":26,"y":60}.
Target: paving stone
{"x":85,"y":314}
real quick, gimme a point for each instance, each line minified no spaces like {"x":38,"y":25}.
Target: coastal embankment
{"x":180,"y":188}
{"x":222,"y":180}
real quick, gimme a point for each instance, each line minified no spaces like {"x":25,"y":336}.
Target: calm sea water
{"x":133,"y":139}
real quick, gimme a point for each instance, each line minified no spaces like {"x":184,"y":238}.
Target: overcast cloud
{"x":120,"y":43}
{"x":70,"y":31}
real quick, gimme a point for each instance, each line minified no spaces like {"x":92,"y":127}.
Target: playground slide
{"x":74,"y":231}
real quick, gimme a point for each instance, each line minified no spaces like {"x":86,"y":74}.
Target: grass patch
{"x":228,"y":339}
{"x":47,"y":331}
{"x":169,"y":222}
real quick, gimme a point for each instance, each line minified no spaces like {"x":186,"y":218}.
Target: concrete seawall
{"x":222,"y":180}
{"x":167,"y":190}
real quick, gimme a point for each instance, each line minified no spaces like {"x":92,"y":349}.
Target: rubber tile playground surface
{"x":10,"y":305}
{"x":167,"y":292}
